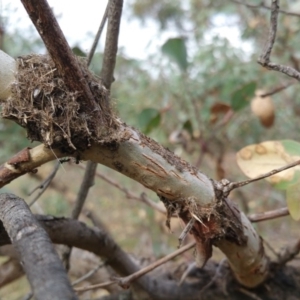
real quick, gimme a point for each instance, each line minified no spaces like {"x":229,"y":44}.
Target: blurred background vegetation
{"x":193,"y":95}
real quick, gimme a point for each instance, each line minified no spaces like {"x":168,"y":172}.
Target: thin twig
{"x":249,"y":294}
{"x":95,"y":286}
{"x":88,"y":275}
{"x":269,"y":215}
{"x":87,"y":182}
{"x":125,"y":281}
{"x":263,"y":6}
{"x":185,"y":231}
{"x":270,"y":247}
{"x":233,"y":185}
{"x":45,"y":184}
{"x":98,"y":35}
{"x":289,"y":253}
{"x":278,"y":89}
{"x":264,"y":59}
{"x":217,"y":274}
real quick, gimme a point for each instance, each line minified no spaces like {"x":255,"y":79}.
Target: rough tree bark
{"x":41,"y":263}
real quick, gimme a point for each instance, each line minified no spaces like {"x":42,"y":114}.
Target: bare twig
{"x":125,"y":281}
{"x":44,"y":184}
{"x":98,"y":35}
{"x":233,"y":185}
{"x":88,"y":275}
{"x":186,"y":230}
{"x":95,"y":286}
{"x":269,"y":215}
{"x":263,"y":6}
{"x":278,"y":89}
{"x":217,"y":274}
{"x":264,"y":59}
{"x":141,"y":198}
{"x":289,"y":253}
{"x":87,"y":182}
{"x":270,"y":247}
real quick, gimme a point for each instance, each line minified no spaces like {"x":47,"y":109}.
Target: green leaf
{"x":187,"y":125}
{"x":175,"y":49}
{"x":293,"y":200}
{"x":77,"y":51}
{"x":240,"y":98}
{"x":291,"y":147}
{"x":148,"y":119}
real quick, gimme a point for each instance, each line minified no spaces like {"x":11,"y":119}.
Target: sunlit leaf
{"x":241,"y":97}
{"x":148,"y":119}
{"x":257,"y":159}
{"x":293,"y":201}
{"x":175,"y":49}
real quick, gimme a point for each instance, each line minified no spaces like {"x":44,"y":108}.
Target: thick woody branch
{"x":46,"y":274}
{"x":26,"y":161}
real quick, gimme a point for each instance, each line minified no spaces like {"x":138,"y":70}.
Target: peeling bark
{"x":27,"y":160}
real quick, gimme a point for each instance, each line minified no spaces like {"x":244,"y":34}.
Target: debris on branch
{"x":41,"y":102}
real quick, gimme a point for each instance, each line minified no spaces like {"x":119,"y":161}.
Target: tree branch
{"x":98,"y":35}
{"x":263,"y":6}
{"x":264,"y":59}
{"x":45,"y":22}
{"x":27,"y":161}
{"x":111,"y":43}
{"x":45,"y":274}
{"x":269,"y":215}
